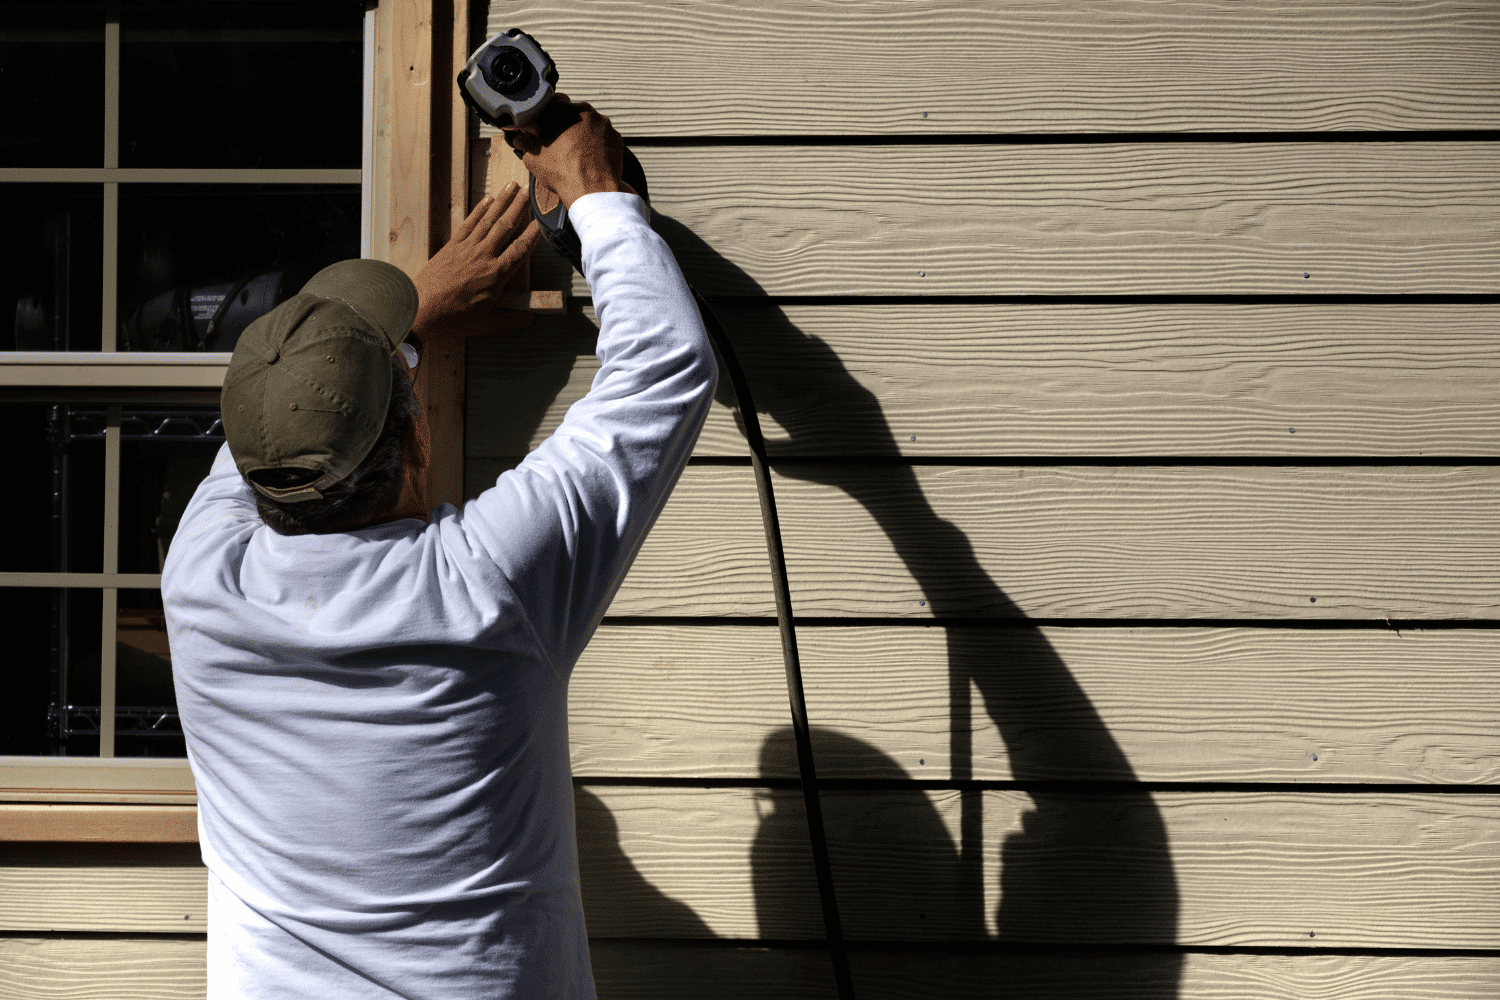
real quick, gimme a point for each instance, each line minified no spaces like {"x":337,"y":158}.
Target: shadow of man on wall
{"x":1089,"y":866}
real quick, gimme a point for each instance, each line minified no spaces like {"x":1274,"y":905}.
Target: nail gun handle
{"x":558,"y":230}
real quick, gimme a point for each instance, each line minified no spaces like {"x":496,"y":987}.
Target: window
{"x":170,"y":172}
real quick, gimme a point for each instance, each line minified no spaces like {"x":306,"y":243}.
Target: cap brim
{"x":380,"y":292}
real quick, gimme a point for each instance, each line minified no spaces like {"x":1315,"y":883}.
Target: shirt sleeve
{"x":565,"y":525}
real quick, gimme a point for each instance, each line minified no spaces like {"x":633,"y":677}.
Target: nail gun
{"x":508,"y":82}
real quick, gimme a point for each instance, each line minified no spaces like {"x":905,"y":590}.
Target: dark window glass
{"x":146,"y":723}
{"x":199,"y":262}
{"x":52,"y":646}
{"x":52,"y":86}
{"x":165,"y":451}
{"x":51,"y":267}
{"x":56,"y":514}
{"x":235,"y":86}
{"x":26,"y":616}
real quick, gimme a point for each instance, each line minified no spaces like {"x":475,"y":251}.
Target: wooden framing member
{"x":422,"y":190}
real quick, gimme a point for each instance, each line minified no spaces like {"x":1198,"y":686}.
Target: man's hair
{"x":372,"y":489}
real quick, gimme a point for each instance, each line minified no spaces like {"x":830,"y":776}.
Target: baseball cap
{"x":309,"y":383}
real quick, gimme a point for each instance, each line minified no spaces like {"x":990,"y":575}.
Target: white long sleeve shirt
{"x":377,"y":719}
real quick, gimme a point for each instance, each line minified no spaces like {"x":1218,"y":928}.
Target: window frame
{"x":116,"y":378}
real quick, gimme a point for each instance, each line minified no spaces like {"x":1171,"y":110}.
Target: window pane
{"x":52,"y":700}
{"x":232,"y":86}
{"x":26,"y":615}
{"x":51,"y":267}
{"x":164,"y":454}
{"x":52,"y":86}
{"x":52,"y":654}
{"x":199,"y":262}
{"x":57,"y":452}
{"x":146,"y":723}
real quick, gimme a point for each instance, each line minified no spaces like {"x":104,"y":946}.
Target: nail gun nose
{"x":508,"y":72}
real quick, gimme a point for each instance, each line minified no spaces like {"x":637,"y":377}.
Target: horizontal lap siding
{"x":1180,"y":704}
{"x":1125,"y":218}
{"x":1334,"y":542}
{"x":978,"y":380}
{"x":1112,"y":367}
{"x":157,"y":969}
{"x":1249,"y":869}
{"x":867,"y":67}
{"x":1145,"y":348}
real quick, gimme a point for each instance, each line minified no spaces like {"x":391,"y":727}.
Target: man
{"x":375,"y":697}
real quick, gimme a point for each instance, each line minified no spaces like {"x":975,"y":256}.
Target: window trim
{"x":125,"y":780}
{"x":114,"y":378}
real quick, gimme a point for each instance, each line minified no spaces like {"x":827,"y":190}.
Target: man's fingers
{"x":509,"y":223}
{"x":520,"y":248}
{"x":522,"y":140}
{"x":467,"y":226}
{"x":493,"y":212}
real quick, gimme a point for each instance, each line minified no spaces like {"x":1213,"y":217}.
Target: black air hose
{"x":560,"y":233}
{"x":806,"y":767}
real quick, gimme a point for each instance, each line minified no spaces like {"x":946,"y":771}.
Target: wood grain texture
{"x":1245,"y":869}
{"x":1058,"y":380}
{"x":123,"y":888}
{"x":1077,"y":219}
{"x":125,"y":968}
{"x":1056,"y":704}
{"x":1242,"y":705}
{"x":112,"y":968}
{"x":402,"y":202}
{"x":1371,"y":870}
{"x":1150,"y":976}
{"x":679,"y":702}
{"x":666,"y":970}
{"x":693,"y":863}
{"x":857,"y":67}
{"x":133,"y":824}
{"x":1251,"y":869}
{"x":1082,"y":541}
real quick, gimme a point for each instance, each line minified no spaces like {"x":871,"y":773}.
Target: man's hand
{"x":460,"y":286}
{"x":572,"y":149}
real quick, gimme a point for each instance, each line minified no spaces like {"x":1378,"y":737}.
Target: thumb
{"x":523,"y":141}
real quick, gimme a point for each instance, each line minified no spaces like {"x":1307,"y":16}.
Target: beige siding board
{"x":1250,"y":869}
{"x":140,"y":888}
{"x":1247,"y":869}
{"x":679,"y":702}
{"x":126,"y":968}
{"x":640,"y":970}
{"x":910,"y":975}
{"x":676,"y":863}
{"x":1059,"y":380}
{"x":1081,"y":541}
{"x":1156,"y":704}
{"x":706,"y":553}
{"x":1078,"y":219}
{"x":857,"y":67}
{"x":120,"y":968}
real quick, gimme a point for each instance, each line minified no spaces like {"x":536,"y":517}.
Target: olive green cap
{"x":310,"y":381}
